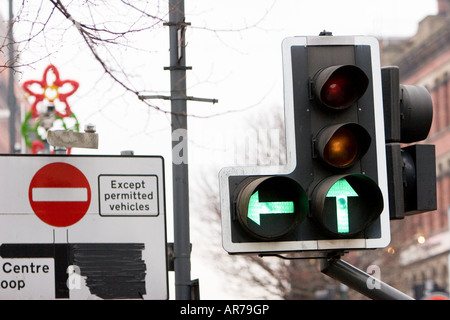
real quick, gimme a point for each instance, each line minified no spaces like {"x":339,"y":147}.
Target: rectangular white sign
{"x":131,"y":195}
{"x":82,"y":227}
{"x":22,"y":279}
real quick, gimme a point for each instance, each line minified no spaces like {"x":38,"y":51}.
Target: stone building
{"x":421,"y":243}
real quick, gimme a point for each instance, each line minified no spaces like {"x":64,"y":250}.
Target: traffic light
{"x":412,"y":169}
{"x":332,"y":192}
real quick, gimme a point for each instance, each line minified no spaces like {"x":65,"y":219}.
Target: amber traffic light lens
{"x":342,"y":148}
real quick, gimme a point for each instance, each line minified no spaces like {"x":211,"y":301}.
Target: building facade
{"x":21,"y":101}
{"x":421,"y":243}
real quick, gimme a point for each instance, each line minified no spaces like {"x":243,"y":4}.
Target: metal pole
{"x":359,"y":280}
{"x":11,"y":95}
{"x":182,"y":254}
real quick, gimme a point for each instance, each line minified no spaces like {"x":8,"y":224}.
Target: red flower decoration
{"x":37,"y":146}
{"x":51,"y":91}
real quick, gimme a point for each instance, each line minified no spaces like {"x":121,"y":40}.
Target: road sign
{"x":59,"y":194}
{"x":82,"y":227}
{"x":128,"y":195}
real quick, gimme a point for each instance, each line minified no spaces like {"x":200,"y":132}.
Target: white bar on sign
{"x":59,"y":194}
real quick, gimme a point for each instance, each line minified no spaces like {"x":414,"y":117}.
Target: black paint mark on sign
{"x":112,"y":271}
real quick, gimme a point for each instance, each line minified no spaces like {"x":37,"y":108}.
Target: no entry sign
{"x":59,"y":194}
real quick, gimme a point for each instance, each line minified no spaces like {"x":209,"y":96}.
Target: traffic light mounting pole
{"x":360,"y":281}
{"x":342,"y":271}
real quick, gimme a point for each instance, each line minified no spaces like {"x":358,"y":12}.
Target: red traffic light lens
{"x":342,"y":148}
{"x":338,"y":91}
{"x":338,"y":87}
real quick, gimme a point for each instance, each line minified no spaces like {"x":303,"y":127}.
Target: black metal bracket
{"x":334,"y":267}
{"x":194,"y":284}
{"x":307,"y":255}
{"x":360,"y":281}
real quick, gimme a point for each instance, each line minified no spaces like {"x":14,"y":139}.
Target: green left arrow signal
{"x":256,"y":208}
{"x":342,"y":190}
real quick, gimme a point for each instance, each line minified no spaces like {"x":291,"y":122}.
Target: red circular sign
{"x":59,"y":194}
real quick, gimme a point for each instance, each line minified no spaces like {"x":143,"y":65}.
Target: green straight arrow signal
{"x":342,"y":190}
{"x":256,"y":208}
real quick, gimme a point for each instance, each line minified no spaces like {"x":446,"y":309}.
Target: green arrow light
{"x":342,"y":190}
{"x":256,"y":208}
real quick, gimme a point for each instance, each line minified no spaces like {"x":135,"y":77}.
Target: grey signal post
{"x":180,"y":186}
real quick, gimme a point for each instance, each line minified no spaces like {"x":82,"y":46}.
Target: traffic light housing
{"x":411,"y":167}
{"x":332,"y":192}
